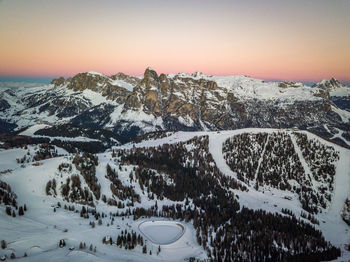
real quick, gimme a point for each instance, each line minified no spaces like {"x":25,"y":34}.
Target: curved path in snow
{"x":162,"y":232}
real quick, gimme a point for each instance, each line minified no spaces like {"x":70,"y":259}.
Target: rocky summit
{"x":128,"y":106}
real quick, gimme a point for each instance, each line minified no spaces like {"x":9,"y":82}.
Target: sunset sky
{"x":270,"y":39}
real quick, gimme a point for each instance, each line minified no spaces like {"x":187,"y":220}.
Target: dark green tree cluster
{"x":280,"y":163}
{"x":73,"y":192}
{"x":310,"y":217}
{"x":50,"y":188}
{"x":86,"y":164}
{"x":91,"y":147}
{"x":45,"y":151}
{"x":82,"y":246}
{"x":321,"y":159}
{"x":127,"y":240}
{"x":192,"y":173}
{"x":119,"y":190}
{"x":345,"y":212}
{"x":8,"y":198}
{"x":65,"y":167}
{"x":242,"y":153}
{"x":240,"y":235}
{"x":152,"y":135}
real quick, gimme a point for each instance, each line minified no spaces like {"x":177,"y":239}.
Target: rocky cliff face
{"x":131,"y":106}
{"x":329,"y":85}
{"x":337,"y":92}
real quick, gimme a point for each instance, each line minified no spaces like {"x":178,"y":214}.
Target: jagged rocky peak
{"x":163,"y":77}
{"x":329,"y":85}
{"x":150,"y":79}
{"x":90,"y":80}
{"x":198,"y":74}
{"x":150,"y":73}
{"x":81,"y":81}
{"x":58,"y":81}
{"x":112,"y":87}
{"x":119,"y":75}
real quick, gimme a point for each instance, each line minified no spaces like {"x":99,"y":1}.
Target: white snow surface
{"x":162,"y":232}
{"x":251,"y":88}
{"x":32,"y":129}
{"x":94,"y":97}
{"x":341,"y":91}
{"x":94,"y":73}
{"x":146,"y":121}
{"x":123,"y":84}
{"x":38,"y":232}
{"x":345,"y":115}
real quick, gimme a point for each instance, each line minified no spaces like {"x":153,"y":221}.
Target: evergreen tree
{"x":3,"y":244}
{"x":20,"y":211}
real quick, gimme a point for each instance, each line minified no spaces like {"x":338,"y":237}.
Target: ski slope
{"x":333,"y":227}
{"x":38,"y":232}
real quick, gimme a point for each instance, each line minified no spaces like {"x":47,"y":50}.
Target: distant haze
{"x":270,"y":39}
{"x":41,"y":80}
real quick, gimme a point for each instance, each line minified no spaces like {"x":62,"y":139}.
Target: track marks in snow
{"x":306,"y":167}
{"x":261,"y":158}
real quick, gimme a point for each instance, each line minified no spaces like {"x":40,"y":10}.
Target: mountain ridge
{"x":131,"y":106}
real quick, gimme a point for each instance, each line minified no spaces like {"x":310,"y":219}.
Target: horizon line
{"x":272,"y":79}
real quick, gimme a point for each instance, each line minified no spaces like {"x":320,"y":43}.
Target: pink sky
{"x":271,"y":40}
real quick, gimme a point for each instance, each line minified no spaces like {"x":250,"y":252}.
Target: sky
{"x":304,"y":40}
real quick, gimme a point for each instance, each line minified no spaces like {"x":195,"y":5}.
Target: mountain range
{"x":123,"y":107}
{"x":223,"y":168}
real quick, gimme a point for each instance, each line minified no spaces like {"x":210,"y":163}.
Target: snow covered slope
{"x":272,"y":199}
{"x":117,"y":188}
{"x":38,"y":232}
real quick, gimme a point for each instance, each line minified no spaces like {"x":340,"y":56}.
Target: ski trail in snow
{"x":261,"y":158}
{"x":303,"y":161}
{"x":342,"y":182}
{"x":335,"y":228}
{"x":215,"y":148}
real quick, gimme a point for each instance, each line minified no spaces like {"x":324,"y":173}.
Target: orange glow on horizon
{"x":293,"y":41}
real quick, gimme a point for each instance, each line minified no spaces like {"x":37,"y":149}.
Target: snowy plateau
{"x":175,"y":168}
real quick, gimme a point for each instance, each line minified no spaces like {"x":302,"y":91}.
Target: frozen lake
{"x":162,"y":232}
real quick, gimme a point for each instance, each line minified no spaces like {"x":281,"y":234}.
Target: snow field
{"x":38,"y":232}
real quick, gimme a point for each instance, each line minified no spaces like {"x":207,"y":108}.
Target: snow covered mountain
{"x":338,"y":93}
{"x":128,"y":106}
{"x":248,"y":195}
